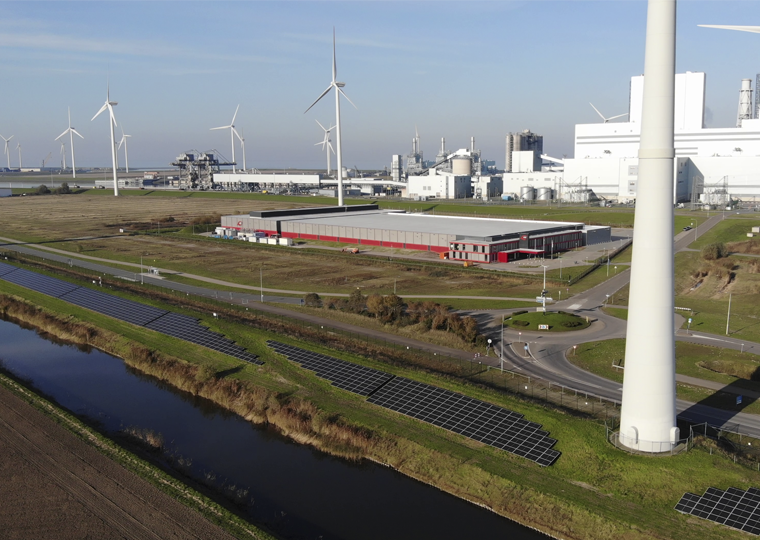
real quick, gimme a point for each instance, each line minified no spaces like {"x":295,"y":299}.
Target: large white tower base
{"x":648,"y":412}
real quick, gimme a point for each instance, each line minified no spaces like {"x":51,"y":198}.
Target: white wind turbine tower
{"x":7,"y":150}
{"x":112,"y":122}
{"x":18,"y":147}
{"x":126,"y":153}
{"x":603,"y":117}
{"x":241,"y":138}
{"x":338,"y":86}
{"x":326,"y":144}
{"x":233,"y":132}
{"x":71,"y":131}
{"x":63,"y":157}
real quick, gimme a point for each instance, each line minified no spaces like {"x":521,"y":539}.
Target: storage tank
{"x":527,"y":193}
{"x":544,"y":194}
{"x":461,"y":166}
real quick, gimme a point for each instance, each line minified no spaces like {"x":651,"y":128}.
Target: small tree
{"x":64,"y":189}
{"x":375,"y":305}
{"x":357,"y":301}
{"x":714,"y":251}
{"x":312,"y":300}
{"x":42,"y":190}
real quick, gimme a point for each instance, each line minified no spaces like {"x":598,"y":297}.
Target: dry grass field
{"x":60,"y":220}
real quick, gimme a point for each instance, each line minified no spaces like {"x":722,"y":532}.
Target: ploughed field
{"x":55,"y":486}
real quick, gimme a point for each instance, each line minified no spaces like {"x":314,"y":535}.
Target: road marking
{"x":575,"y":306}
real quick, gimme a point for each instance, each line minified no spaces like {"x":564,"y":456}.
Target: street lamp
{"x":502,"y":343}
{"x":488,"y":346}
{"x":543,"y":292}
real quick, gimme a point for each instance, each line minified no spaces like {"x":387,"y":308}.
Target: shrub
{"x":572,"y":324}
{"x":520,"y":323}
{"x":42,"y":190}
{"x":714,"y":251}
{"x":518,"y":313}
{"x":312,"y":300}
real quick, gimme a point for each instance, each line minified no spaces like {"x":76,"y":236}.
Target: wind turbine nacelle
{"x":340,"y":84}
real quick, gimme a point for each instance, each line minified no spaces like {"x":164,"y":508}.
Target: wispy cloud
{"x":61,"y":43}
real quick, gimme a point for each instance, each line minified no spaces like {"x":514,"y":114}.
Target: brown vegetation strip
{"x":56,"y":486}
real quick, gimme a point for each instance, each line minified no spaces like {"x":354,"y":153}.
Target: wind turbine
{"x":112,"y":122}
{"x":338,"y":86}
{"x":124,"y":142}
{"x":606,"y":119}
{"x":7,"y":150}
{"x":71,"y":131}
{"x":326,"y":144}
{"x":233,"y":132}
{"x":63,"y":157}
{"x":18,"y":147}
{"x":241,"y":138}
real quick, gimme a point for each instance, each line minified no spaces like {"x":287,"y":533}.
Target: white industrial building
{"x":709,"y":161}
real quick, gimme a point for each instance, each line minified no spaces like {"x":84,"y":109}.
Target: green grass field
{"x":557,"y":321}
{"x":593,"y":491}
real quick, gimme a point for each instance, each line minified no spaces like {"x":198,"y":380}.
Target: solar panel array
{"x":114,"y":306}
{"x":341,"y":374}
{"x":44,"y":284}
{"x":188,"y":329}
{"x":735,"y":508}
{"x":166,"y":322}
{"x":5,"y":268}
{"x":478,"y":420}
{"x":484,"y":422}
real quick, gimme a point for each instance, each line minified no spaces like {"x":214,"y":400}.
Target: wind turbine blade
{"x":322,"y":143}
{"x":64,"y":133}
{"x":597,"y":112}
{"x":103,"y":108}
{"x":69,"y":109}
{"x":220,"y":127}
{"x":335,"y":64}
{"x":329,"y":144}
{"x":76,"y":132}
{"x":754,"y":29}
{"x":113,"y":118}
{"x":618,"y":116}
{"x":234,"y":116}
{"x":237,"y":134}
{"x":320,"y":125}
{"x":320,"y":97}
{"x":349,"y":99}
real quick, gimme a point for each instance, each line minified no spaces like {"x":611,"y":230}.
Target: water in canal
{"x":293,"y":490}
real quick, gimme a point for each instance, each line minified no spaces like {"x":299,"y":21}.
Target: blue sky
{"x":455,"y":69}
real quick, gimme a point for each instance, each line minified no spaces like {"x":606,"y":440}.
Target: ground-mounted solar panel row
{"x":734,"y":507}
{"x":341,"y":374}
{"x":166,"y":322}
{"x":6,"y":268}
{"x":484,"y":422}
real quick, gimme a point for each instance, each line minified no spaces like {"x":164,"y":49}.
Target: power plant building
{"x":479,"y":240}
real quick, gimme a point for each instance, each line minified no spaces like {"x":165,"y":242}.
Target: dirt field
{"x":53,"y":485}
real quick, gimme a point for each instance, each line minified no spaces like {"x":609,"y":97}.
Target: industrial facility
{"x":480,"y":240}
{"x":712,"y":165}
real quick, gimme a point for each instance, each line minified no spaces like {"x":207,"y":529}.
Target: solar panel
{"x":189,"y":329}
{"x":734,"y":508}
{"x":40,"y":283}
{"x":113,"y":306}
{"x":341,"y":374}
{"x":478,"y":420}
{"x":5,"y":268}
{"x":484,"y":422}
{"x":169,"y":323}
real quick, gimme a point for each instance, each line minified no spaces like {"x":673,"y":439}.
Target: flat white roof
{"x":463,"y":227}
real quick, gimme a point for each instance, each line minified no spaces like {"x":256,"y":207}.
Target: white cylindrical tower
{"x":745,"y":102}
{"x":648,"y":411}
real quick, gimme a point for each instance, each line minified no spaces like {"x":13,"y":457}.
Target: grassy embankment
{"x":592,"y":492}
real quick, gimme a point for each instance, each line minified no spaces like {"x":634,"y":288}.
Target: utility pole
{"x":728,"y":317}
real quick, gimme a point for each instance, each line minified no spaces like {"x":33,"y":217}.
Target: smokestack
{"x":745,"y":102}
{"x":443,"y":145}
{"x":472,"y":144}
